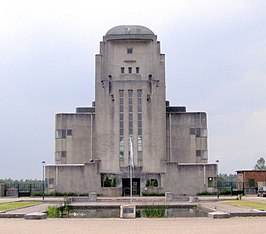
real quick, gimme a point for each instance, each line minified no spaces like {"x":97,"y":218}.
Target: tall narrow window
{"x":140,"y":124}
{"x":122,"y":70}
{"x":121,"y":124}
{"x":137,"y":69}
{"x":130,"y":113}
{"x":130,"y":70}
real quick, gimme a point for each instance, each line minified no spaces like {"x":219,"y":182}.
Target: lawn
{"x":248,"y":204}
{"x":16,"y":205}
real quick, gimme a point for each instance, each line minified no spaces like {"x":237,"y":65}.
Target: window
{"x":202,"y":153}
{"x":137,"y":69}
{"x":69,"y":132}
{"x":62,"y":133}
{"x":122,"y":70}
{"x":59,"y":155}
{"x":130,"y":50}
{"x":130,"y":112}
{"x":251,"y":183}
{"x":130,"y":70}
{"x":139,"y":92}
{"x":121,"y":124}
{"x":210,"y":182}
{"x":51,"y":181}
{"x":198,"y":132}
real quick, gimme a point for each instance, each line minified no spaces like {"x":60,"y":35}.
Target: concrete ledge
{"x":248,"y":214}
{"x":35,"y":215}
{"x":8,"y":216}
{"x":218,"y":215}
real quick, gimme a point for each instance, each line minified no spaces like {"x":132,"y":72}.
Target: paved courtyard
{"x":154,"y":226}
{"x":141,"y":225}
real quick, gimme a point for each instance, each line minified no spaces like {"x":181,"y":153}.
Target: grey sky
{"x":215,"y":62}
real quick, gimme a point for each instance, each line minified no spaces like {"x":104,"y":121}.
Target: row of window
{"x":121,"y":119}
{"x":139,"y":93}
{"x":130,"y":70}
{"x":198,"y":132}
{"x":202,"y":153}
{"x":63,"y":133}
{"x":130,"y":120}
{"x":60,"y":154}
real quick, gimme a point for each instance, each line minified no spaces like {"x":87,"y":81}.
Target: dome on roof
{"x":129,"y":30}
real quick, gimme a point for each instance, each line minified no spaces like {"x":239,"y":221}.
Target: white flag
{"x":131,"y":154}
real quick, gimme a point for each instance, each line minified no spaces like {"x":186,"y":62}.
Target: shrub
{"x":61,"y":211}
{"x":114,"y":182}
{"x":53,"y":212}
{"x":206,"y":193}
{"x":155,"y":183}
{"x":107,"y":182}
{"x":148,"y":183}
{"x":154,"y":194}
{"x":36,"y":194}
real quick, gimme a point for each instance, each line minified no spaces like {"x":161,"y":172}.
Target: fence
{"x":21,"y":189}
{"x":235,"y":188}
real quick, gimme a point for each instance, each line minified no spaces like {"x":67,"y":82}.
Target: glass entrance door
{"x":126,"y":187}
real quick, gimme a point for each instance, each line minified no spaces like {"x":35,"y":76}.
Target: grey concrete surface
{"x":154,"y":226}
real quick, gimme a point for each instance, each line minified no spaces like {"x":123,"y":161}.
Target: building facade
{"x":169,"y":144}
{"x":249,"y":181}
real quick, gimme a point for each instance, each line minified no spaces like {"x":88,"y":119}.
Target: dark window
{"x":69,"y":132}
{"x":130,"y":70}
{"x":251,"y":183}
{"x":198,"y":132}
{"x":121,"y":127}
{"x":130,"y":50}
{"x":122,"y":70}
{"x":210,"y":182}
{"x":198,"y":153}
{"x":51,"y":181}
{"x":60,"y":133}
{"x":137,"y":69}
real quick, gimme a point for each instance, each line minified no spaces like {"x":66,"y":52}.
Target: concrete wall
{"x":188,"y":179}
{"x":78,"y":146}
{"x":73,"y":178}
{"x":182,"y":145}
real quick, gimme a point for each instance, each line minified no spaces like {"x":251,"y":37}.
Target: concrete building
{"x":93,"y":145}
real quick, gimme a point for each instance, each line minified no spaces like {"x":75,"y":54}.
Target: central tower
{"x":130,"y":101}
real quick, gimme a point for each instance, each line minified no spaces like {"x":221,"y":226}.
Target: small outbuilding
{"x":249,"y":181}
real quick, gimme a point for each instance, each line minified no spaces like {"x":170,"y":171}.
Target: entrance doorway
{"x":126,"y":187}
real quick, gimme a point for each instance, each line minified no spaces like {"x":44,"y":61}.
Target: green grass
{"x":154,"y":211}
{"x":248,"y":204}
{"x":16,"y":205}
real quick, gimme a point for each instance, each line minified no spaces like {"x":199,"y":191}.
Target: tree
{"x":260,"y":165}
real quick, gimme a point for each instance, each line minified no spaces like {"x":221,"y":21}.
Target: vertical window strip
{"x":140,"y":124}
{"x":130,"y":113}
{"x":121,"y":123}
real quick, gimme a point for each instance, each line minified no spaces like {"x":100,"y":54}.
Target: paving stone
{"x":35,"y":215}
{"x":218,"y":215}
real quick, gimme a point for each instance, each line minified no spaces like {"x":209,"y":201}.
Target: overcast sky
{"x":215,"y":62}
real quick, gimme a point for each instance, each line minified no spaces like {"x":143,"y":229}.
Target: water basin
{"x":162,"y":211}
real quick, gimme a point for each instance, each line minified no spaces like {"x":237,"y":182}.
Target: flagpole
{"x":131,"y":167}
